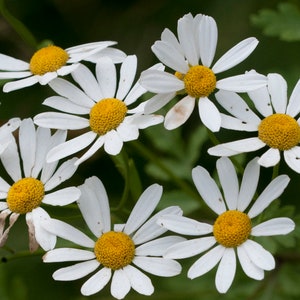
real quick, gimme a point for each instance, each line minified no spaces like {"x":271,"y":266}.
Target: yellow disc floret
{"x":114,"y":250}
{"x":25,"y":195}
{"x":107,"y":115}
{"x":48,"y":59}
{"x":199,"y":81}
{"x":279,"y":131}
{"x":232,"y":228}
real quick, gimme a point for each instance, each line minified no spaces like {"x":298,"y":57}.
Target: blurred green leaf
{"x":283,"y":23}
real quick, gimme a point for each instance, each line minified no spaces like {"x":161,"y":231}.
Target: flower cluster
{"x":98,"y":95}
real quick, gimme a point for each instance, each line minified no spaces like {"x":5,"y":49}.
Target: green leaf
{"x":283,"y":23}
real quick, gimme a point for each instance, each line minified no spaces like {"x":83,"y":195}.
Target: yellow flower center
{"x":114,"y":250}
{"x":232,"y":228}
{"x":279,"y":131}
{"x":199,"y":81}
{"x":107,"y":115}
{"x":25,"y":195}
{"x":48,"y":59}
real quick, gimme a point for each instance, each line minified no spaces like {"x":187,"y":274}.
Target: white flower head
{"x":109,"y":121}
{"x":117,"y":254}
{"x":52,"y":61}
{"x":230,"y":237}
{"x":6,"y":131}
{"x":33,"y":182}
{"x":191,"y":58}
{"x":278,"y":128}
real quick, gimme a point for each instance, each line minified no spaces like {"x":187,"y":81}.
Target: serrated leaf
{"x":283,"y":23}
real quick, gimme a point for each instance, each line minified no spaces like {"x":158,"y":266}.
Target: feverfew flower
{"x":278,"y":129}
{"x":6,"y":131}
{"x":108,"y":119}
{"x":191,"y":58}
{"x":115,"y":253}
{"x":232,"y":232}
{"x":52,"y":61}
{"x":33,"y":182}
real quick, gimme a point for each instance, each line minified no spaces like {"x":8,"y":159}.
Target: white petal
{"x":276,"y":226}
{"x":158,"y":266}
{"x":157,"y":102}
{"x":106,"y":76}
{"x":292,"y":158}
{"x":184,"y":225}
{"x":157,"y":81}
{"x":259,"y":256}
{"x":9,"y":63}
{"x":242,"y":83}
{"x":144,"y":121}
{"x":237,"y":107}
{"x":67,"y":254}
{"x":128,"y":131}
{"x":27,"y":143}
{"x":206,"y":262}
{"x":250,"y":269}
{"x":278,"y":90}
{"x":208,"y":37}
{"x":270,"y":158}
{"x":208,"y":190}
{"x":270,"y":193}
{"x":229,"y":181}
{"x":4,"y":186}
{"x":75,"y":271}
{"x":57,"y":120}
{"x":236,"y":147}
{"x":139,"y":281}
{"x":120,"y":284}
{"x":226,"y":271}
{"x":293,"y":107}
{"x":190,"y":248}
{"x":235,"y":55}
{"x":62,"y":197}
{"x":179,"y":113}
{"x":71,"y":146}
{"x":19,"y":84}
{"x":209,"y":114}
{"x":68,"y":232}
{"x":158,"y":247}
{"x":113,"y":143}
{"x":249,"y":184}
{"x":47,"y":77}
{"x":127,"y":74}
{"x":94,"y":206}
{"x":143,"y":208}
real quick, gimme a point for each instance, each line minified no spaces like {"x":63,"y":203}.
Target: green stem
{"x":275,"y":171}
{"x":22,"y":254}
{"x":18,"y":26}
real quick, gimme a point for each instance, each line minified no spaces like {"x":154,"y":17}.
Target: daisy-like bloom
{"x":278,"y":128}
{"x":191,"y":58}
{"x":231,"y":235}
{"x":119,"y":253}
{"x":33,"y":182}
{"x":49,"y":62}
{"x":109,"y":121}
{"x":6,"y":131}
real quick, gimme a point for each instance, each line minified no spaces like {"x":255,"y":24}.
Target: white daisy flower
{"x":109,"y":121}
{"x":278,"y":128}
{"x":52,"y":61}
{"x":232,"y":232}
{"x":33,"y":182}
{"x":191,"y":58}
{"x":6,"y":131}
{"x":119,"y":253}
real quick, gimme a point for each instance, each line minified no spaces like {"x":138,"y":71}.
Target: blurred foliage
{"x":162,"y":156}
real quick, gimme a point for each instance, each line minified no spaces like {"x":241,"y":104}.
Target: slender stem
{"x":21,"y":254}
{"x":275,"y":171}
{"x":18,"y":26}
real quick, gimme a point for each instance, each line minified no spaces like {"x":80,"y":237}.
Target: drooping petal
{"x":120,"y":284}
{"x":291,"y":157}
{"x":19,"y":84}
{"x":226,"y":271}
{"x":276,"y":226}
{"x":209,"y":114}
{"x":208,"y":190}
{"x":274,"y":189}
{"x":179,"y":113}
{"x":112,"y":142}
